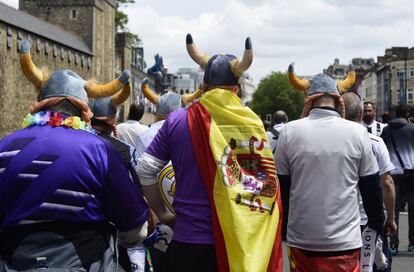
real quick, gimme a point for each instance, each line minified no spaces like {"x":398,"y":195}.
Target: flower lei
{"x":55,"y":119}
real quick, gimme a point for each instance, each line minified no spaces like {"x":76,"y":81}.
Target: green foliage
{"x":275,"y":93}
{"x":135,"y":39}
{"x":121,"y":18}
{"x":121,"y":22}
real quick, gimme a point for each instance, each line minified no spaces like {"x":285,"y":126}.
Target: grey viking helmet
{"x":221,"y":69}
{"x":65,"y":82}
{"x":322,"y":83}
{"x":107,"y":106}
{"x":169,"y":101}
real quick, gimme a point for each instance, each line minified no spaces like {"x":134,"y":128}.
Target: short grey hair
{"x":353,"y":106}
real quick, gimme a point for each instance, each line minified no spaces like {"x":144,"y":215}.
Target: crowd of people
{"x":205,"y":187}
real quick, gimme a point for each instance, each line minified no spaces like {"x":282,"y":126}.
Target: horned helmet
{"x":221,"y":70}
{"x":322,"y":84}
{"x":66,"y":83}
{"x":169,"y":101}
{"x":106,"y":108}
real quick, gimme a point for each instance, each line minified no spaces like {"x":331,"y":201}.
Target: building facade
{"x":391,"y":81}
{"x":336,"y":70}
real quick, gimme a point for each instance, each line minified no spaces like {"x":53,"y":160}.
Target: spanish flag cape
{"x":237,"y":167}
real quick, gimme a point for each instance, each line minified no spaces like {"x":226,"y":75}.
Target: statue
{"x":157,"y":71}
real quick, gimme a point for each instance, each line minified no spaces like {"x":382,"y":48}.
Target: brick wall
{"x":16,"y":92}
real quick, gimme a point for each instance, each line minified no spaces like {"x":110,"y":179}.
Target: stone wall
{"x":104,"y":41}
{"x":16,"y":92}
{"x":92,"y":20}
{"x":123,"y":61}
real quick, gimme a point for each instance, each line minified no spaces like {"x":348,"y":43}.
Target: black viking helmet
{"x":221,"y":69}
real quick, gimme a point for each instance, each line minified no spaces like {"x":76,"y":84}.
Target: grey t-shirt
{"x":325,"y":155}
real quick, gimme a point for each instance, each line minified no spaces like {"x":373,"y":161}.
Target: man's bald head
{"x":280,"y":117}
{"x":353,"y":107}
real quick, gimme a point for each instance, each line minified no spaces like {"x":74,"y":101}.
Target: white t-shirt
{"x":130,"y":130}
{"x":384,"y":163}
{"x":271,"y":137}
{"x":375,"y":127}
{"x":324,"y":155}
{"x":144,"y":140}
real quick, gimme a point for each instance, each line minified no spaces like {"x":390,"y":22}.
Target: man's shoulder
{"x":377,"y":143}
{"x":382,"y":125}
{"x":375,"y":138}
{"x":177,"y":116}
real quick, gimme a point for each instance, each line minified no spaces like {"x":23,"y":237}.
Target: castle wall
{"x":16,"y":92}
{"x":92,"y":20}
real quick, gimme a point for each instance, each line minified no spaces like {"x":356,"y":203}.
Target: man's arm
{"x":372,"y":199}
{"x":369,"y":185}
{"x":385,"y":166}
{"x":389,"y":202}
{"x":123,"y":203}
{"x":149,"y":167}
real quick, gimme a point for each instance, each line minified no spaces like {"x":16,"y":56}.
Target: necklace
{"x":56,"y":119}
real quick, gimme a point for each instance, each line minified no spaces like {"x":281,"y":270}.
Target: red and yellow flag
{"x":238,"y":170}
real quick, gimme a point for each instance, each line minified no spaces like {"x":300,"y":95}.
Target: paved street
{"x":404,"y":262}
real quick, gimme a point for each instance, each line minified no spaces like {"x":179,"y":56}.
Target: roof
{"x":32,"y":24}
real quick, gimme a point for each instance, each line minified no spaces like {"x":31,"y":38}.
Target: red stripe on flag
{"x":199,"y":122}
{"x":266,"y":166}
{"x":276,"y":259}
{"x":269,"y":159}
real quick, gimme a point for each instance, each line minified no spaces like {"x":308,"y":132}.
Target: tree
{"x":121,"y":21}
{"x":276,"y":93}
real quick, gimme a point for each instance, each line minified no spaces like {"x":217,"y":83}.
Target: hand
{"x":124,"y":77}
{"x":391,"y":226}
{"x":145,"y":80}
{"x":25,"y":47}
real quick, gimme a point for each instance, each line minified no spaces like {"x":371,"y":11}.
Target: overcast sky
{"x":311,"y":33}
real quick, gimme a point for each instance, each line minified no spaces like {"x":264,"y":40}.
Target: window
{"x":339,"y":72}
{"x":412,"y":73}
{"x":73,"y":14}
{"x":398,"y":96}
{"x":410,"y":96}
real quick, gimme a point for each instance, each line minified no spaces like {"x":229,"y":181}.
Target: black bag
{"x":275,"y":136}
{"x":408,"y":173}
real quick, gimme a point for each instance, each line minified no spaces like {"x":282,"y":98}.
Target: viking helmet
{"x":169,"y":101}
{"x":107,"y":106}
{"x":221,"y":69}
{"x":65,"y":82}
{"x":322,"y":83}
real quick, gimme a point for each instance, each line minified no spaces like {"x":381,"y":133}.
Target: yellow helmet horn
{"x":188,"y":98}
{"x":298,"y":84}
{"x":30,"y":70}
{"x":148,"y":93}
{"x":348,"y":82}
{"x":121,"y":96}
{"x":95,"y":90}
{"x":239,"y":67}
{"x":199,"y":57}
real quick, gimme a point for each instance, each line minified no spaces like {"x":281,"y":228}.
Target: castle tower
{"x":92,"y":20}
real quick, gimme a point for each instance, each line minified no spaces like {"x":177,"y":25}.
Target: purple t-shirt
{"x":62,"y":174}
{"x":191,"y":203}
